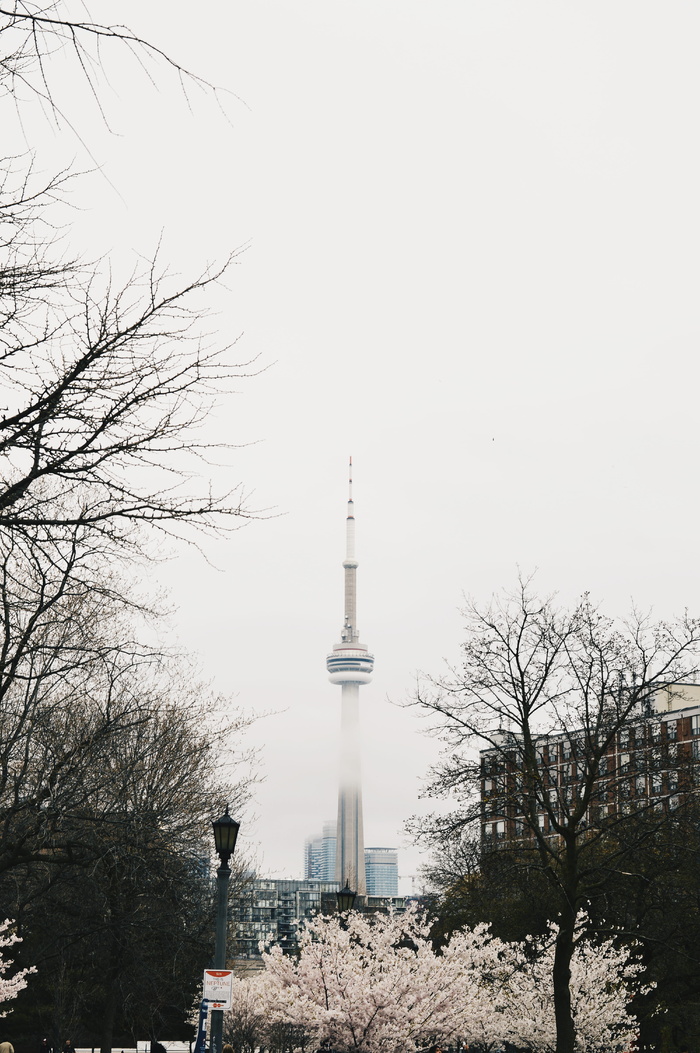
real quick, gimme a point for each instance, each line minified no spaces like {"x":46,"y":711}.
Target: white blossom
{"x":603,"y":979}
{"x":372,"y":983}
{"x":10,"y":986}
{"x":364,"y":983}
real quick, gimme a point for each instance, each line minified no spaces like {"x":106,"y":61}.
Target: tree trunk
{"x":110,"y":1015}
{"x":561,"y":976}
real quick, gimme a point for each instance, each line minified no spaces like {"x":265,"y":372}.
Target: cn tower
{"x":350,"y":664}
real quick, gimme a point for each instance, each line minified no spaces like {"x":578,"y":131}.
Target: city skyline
{"x":381,"y":862}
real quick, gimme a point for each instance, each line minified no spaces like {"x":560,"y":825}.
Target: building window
{"x":624,"y":762}
{"x":695,"y":724}
{"x":696,"y":749}
{"x":494,"y":831}
{"x":655,"y":731}
{"x":671,"y":730}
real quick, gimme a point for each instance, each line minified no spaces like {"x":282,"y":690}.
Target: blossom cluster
{"x":10,"y":986}
{"x":363,"y":983}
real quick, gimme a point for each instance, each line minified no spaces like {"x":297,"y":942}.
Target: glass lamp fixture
{"x":346,"y":898}
{"x":225,"y":834}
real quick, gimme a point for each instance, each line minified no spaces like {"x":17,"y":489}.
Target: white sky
{"x":474,"y":266}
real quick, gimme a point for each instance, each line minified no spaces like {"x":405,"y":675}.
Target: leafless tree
{"x":105,"y":389}
{"x":118,"y":895}
{"x":534,"y":676}
{"x":110,"y":769}
{"x":78,"y":694}
{"x":102,"y":412}
{"x":34,"y":35}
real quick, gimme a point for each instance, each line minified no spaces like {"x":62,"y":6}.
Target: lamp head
{"x":225,"y":834}
{"x":346,"y":898}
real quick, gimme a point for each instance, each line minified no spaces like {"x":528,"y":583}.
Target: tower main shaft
{"x":350,"y":664}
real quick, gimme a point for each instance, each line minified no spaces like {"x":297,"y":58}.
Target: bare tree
{"x":110,"y":770}
{"x":533,"y":677}
{"x":77,"y":692}
{"x":102,"y":411}
{"x":34,"y":35}
{"x":105,"y":389}
{"x":118,"y":898}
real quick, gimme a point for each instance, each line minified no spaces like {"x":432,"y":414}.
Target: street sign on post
{"x":218,"y":988}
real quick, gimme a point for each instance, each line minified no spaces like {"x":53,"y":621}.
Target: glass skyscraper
{"x":382,"y":870}
{"x":381,"y":864}
{"x":319,"y":854}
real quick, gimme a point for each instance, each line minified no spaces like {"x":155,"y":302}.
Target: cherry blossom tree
{"x":603,"y":980}
{"x":364,"y":983}
{"x":10,"y":986}
{"x":246,"y":1022}
{"x":368,"y":982}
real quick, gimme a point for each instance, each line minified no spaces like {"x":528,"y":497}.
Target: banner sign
{"x":201,"y":1044}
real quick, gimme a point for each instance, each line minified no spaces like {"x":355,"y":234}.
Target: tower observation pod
{"x":350,"y":664}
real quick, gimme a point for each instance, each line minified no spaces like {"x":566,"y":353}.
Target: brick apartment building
{"x":653,"y":761}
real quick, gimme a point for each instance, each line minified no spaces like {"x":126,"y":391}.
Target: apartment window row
{"x":639,"y":787}
{"x":549,"y":790}
{"x":494,"y":832}
{"x":573,"y":771}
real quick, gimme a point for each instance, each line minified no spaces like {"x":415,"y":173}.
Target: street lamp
{"x":225,"y":834}
{"x":346,"y":898}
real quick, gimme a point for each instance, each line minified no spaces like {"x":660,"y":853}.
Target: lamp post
{"x":346,"y":898}
{"x":225,"y":834}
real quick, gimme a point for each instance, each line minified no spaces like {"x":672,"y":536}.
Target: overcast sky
{"x":474,"y":266}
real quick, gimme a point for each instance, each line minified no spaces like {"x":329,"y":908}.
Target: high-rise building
{"x":350,"y":664}
{"x":381,"y":864}
{"x":265,"y":912}
{"x":382,"y":871}
{"x":319,"y":854}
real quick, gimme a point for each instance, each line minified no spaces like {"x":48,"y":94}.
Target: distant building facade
{"x":268,"y":911}
{"x":319,"y":854}
{"x":382,"y":871}
{"x":381,"y":864}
